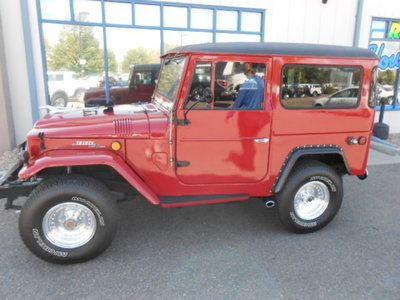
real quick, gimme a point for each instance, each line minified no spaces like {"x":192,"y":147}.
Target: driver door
{"x":218,"y":144}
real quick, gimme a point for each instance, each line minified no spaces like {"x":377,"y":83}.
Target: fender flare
{"x":299,"y":152}
{"x":64,"y":158}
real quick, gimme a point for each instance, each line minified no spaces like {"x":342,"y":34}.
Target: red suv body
{"x":187,"y":148}
{"x":140,"y":88}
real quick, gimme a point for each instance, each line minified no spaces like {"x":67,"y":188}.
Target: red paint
{"x":219,"y":144}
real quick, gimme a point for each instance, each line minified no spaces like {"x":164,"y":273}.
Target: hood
{"x":131,"y":120}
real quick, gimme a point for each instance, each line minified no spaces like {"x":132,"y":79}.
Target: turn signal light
{"x":116,"y":146}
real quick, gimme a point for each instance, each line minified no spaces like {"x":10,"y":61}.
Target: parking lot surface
{"x":227,"y":251}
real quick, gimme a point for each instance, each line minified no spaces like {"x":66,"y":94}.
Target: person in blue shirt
{"x":251,"y":92}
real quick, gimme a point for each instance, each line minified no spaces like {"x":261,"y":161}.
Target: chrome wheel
{"x":311,"y":200}
{"x":59,"y":102}
{"x":69,"y":225}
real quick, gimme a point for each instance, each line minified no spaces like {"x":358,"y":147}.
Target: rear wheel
{"x":59,"y":99}
{"x":311,"y":197}
{"x":68,"y":219}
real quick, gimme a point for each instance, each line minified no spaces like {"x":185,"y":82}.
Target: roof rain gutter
{"x":357,"y":31}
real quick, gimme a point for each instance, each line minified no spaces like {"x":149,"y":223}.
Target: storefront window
{"x":173,"y":39}
{"x":55,"y":9}
{"x":201,"y":18}
{"x":118,"y":13}
{"x":175,"y":17}
{"x":87,"y":11}
{"x":75,"y":64}
{"x":385,"y":42}
{"x":147,"y":15}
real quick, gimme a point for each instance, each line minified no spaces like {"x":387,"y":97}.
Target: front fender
{"x":65,"y":158}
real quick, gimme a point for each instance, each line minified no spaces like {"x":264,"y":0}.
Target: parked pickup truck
{"x":185,"y":148}
{"x":140,"y":88}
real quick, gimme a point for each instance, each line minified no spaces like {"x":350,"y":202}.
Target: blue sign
{"x":386,"y":61}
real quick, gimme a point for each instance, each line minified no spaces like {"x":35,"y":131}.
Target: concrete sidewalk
{"x":380,"y":158}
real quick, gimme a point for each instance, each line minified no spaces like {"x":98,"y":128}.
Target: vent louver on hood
{"x":124,"y":126}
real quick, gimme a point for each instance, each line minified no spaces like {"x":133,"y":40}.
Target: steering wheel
{"x":200,"y":94}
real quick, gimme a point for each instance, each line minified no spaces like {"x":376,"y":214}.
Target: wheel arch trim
{"x":66,"y":158}
{"x":303,"y":151}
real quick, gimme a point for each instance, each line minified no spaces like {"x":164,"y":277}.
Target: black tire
{"x":82,"y":190}
{"x":59,"y":99}
{"x":315,"y":94}
{"x":305,"y":172}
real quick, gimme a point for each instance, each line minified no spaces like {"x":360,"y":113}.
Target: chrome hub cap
{"x":69,"y":225}
{"x":59,"y":102}
{"x":311,"y":200}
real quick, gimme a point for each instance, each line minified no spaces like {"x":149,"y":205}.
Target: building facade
{"x":52,"y":51}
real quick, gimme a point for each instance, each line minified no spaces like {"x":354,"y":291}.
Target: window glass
{"x":147,"y":15}
{"x":372,"y":96}
{"x":201,"y":18}
{"x":174,"y":39}
{"x":87,"y":11}
{"x":320,"y":87}
{"x":118,"y":13}
{"x":250,"y":21}
{"x":55,"y":9}
{"x":394,"y":31}
{"x":200,"y":94}
{"x":387,"y":72}
{"x":175,"y":16}
{"x":145,"y":77}
{"x":232,"y":37}
{"x":239,"y":85}
{"x":227,"y":20}
{"x":75,"y":64}
{"x":170,"y":77}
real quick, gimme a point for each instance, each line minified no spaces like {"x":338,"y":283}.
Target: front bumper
{"x":11,"y":187}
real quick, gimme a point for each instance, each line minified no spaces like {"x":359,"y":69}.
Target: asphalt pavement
{"x":227,"y":251}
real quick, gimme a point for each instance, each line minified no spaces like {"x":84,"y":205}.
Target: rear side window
{"x":372,"y":93}
{"x":320,"y":87}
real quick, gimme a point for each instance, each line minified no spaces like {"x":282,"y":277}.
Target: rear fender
{"x":61,"y":158}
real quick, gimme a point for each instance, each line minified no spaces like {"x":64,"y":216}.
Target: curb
{"x":385,"y":147}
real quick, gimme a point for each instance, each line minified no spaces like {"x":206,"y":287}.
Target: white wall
{"x":14,"y":49}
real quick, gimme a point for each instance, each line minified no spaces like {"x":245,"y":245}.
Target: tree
{"x":139,"y":55}
{"x":77,"y":50}
{"x":387,"y":77}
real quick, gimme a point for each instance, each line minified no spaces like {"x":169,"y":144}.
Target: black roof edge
{"x":270,"y":48}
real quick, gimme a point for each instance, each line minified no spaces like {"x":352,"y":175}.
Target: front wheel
{"x":68,"y":219}
{"x":310,"y":198}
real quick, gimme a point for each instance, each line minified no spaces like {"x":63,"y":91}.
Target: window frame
{"x":360,"y":67}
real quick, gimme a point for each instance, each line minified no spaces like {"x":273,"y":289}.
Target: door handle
{"x":261,"y":140}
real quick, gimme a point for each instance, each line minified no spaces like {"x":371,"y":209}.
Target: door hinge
{"x":182,"y":122}
{"x":182,"y":163}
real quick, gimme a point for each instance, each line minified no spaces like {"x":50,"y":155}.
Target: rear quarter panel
{"x":292,"y":128}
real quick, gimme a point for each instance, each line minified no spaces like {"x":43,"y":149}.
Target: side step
{"x":174,"y":201}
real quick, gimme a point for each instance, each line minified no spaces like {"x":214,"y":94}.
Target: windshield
{"x":170,"y":77}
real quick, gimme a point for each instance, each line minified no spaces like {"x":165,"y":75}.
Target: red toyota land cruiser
{"x":140,"y":88}
{"x":191,"y":147}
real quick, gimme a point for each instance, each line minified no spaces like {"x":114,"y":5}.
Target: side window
{"x":200,"y":94}
{"x":320,"y":87}
{"x":239,"y":85}
{"x":144,"y":77}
